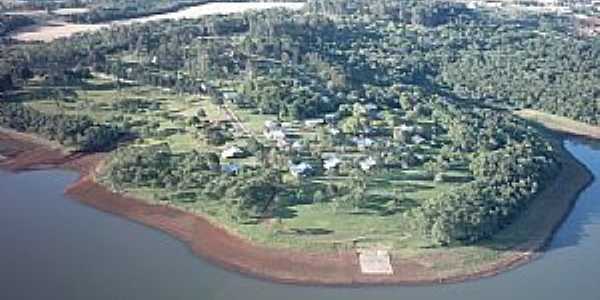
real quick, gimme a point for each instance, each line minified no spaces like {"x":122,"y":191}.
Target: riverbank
{"x":60,"y":29}
{"x":212,"y":242}
{"x":560,"y":124}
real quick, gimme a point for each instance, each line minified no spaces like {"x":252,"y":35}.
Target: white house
{"x":283,"y":143}
{"x":298,"y":146}
{"x":299,"y":170}
{"x":232,"y":152}
{"x":275,"y":134}
{"x":331,"y":163}
{"x":363,"y":143}
{"x":269,"y":124}
{"x":367,"y":164}
{"x":334,"y":131}
{"x":417,"y":139}
{"x":313,"y":123}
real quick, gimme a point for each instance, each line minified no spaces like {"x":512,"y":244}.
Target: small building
{"x":313,"y":123}
{"x":231,"y":169}
{"x":231,"y":96}
{"x":334,"y":131}
{"x":298,"y":146}
{"x":367,"y":164}
{"x":417,"y":139}
{"x":370,"y":107}
{"x":232,"y":152}
{"x":363,"y":142}
{"x":275,"y":134}
{"x":331,"y":163}
{"x":283,"y":144}
{"x":331,"y":118}
{"x":270,"y":125}
{"x":300,"y":170}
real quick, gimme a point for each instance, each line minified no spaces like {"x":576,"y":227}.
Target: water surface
{"x":54,"y":248}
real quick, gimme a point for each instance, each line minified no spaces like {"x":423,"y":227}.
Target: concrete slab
{"x":375,"y":262}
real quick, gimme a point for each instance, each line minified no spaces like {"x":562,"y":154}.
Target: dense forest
{"x":78,"y":132}
{"x":10,"y":23}
{"x":423,"y":81}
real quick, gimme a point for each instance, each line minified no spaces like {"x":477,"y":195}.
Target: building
{"x":363,"y":142}
{"x":275,"y":134}
{"x":313,"y":123}
{"x":331,"y":163}
{"x":232,"y":152}
{"x":367,"y":164}
{"x":231,"y":169}
{"x":417,"y":139}
{"x":300,"y":170}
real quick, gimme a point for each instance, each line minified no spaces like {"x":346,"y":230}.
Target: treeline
{"x":506,"y":180}
{"x":425,"y":13}
{"x":72,"y":131}
{"x":193,"y":176}
{"x":553,"y":74}
{"x":10,"y":23}
{"x":510,"y":164}
{"x":247,"y":192}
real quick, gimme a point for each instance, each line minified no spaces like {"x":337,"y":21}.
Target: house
{"x":231,"y":96}
{"x":334,"y":131}
{"x":313,"y":123}
{"x":300,"y":170}
{"x":406,"y":128}
{"x":331,"y":163}
{"x":232,"y":152}
{"x":231,"y":169}
{"x":363,"y":143}
{"x":283,"y":144}
{"x":298,"y":146}
{"x":270,"y":125}
{"x":275,"y":134}
{"x":367,"y":164}
{"x":417,"y":139}
{"x":370,"y":107}
{"x":403,"y":132}
{"x":331,"y":118}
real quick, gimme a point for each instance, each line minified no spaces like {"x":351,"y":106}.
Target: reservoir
{"x":52,"y":247}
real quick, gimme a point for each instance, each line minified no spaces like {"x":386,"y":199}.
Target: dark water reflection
{"x":55,"y":248}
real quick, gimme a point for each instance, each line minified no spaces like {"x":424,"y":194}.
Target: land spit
{"x":340,"y":268}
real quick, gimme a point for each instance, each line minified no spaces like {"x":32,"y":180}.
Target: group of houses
{"x":284,"y":136}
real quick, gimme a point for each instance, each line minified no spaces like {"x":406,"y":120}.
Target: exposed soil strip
{"x":59,"y":29}
{"x":235,"y":253}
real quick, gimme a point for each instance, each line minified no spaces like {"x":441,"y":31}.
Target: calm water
{"x":54,"y":248}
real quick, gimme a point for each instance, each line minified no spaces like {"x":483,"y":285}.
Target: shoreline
{"x":24,"y":152}
{"x":57,"y":28}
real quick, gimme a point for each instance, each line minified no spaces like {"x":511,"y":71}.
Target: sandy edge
{"x":56,"y":29}
{"x":237,"y":254}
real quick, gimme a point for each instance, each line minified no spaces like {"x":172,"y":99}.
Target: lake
{"x":52,"y":247}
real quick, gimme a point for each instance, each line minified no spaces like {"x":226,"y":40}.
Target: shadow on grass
{"x":385,"y":206}
{"x":308,"y":231}
{"x":284,"y":213}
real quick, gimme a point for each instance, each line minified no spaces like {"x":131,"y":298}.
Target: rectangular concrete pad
{"x":375,"y":262}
